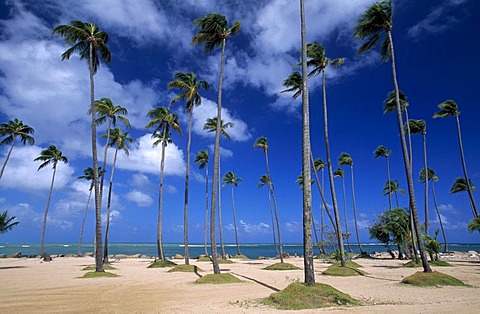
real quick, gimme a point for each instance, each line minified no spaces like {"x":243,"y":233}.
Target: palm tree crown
{"x":105,"y":108}
{"x":231,"y":178}
{"x":187,"y":82}
{"x":261,"y":143}
{"x":318,"y":59}
{"x":294,"y":84}
{"x":213,"y":30}
{"x":448,"y":108}
{"x":161,"y":119}
{"x":345,"y":159}
{"x":460,"y":185}
{"x":382,"y":151}
{"x":211,"y":126}
{"x":51,"y":155}
{"x":14,"y":128}
{"x":202,"y":158}
{"x":119,"y":140}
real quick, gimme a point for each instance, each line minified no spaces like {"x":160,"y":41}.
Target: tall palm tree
{"x":449,"y":108}
{"x":393,"y":187}
{"x":7,"y":223}
{"x":319,"y":62}
{"x":339,"y":173}
{"x":265,"y":180}
{"x":233,"y":180}
{"x":211,"y":126}
{"x":88,"y":41}
{"x":319,"y":165}
{"x":202,"y":160}
{"x":108,"y":111}
{"x":162,"y":120}
{"x":432,"y":177}
{"x":213,"y":32}
{"x":420,"y":127}
{"x":119,"y":140}
{"x":382,"y":151}
{"x":52,"y":155}
{"x":377,"y":22}
{"x":346,"y":159}
{"x":11,"y":130}
{"x":87,"y":175}
{"x":187,"y":83}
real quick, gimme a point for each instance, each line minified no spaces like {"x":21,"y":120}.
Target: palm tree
{"x":265,"y":180}
{"x":187,"y":83}
{"x":211,"y":126}
{"x":233,"y":180}
{"x":7,"y":223}
{"x":376,"y":21}
{"x":346,"y":159}
{"x":382,"y":151}
{"x":393,"y":187}
{"x":432,"y":177}
{"x":339,"y":173}
{"x":213,"y":32}
{"x":202,"y":160}
{"x":474,"y":225}
{"x":87,"y":39}
{"x":52,"y":155}
{"x":318,"y":165}
{"x":449,"y":108}
{"x":87,"y":175}
{"x":294,"y":84}
{"x":119,"y":140}
{"x":462,"y":185}
{"x":12,"y":129}
{"x":319,"y":62}
{"x":107,"y":110}
{"x":162,"y":120}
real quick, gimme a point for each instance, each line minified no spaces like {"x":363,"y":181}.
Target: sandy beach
{"x":29,"y":285}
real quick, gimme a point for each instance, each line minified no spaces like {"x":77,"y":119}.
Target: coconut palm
{"x":162,"y":120}
{"x":449,"y":108}
{"x":189,"y":87}
{"x":294,"y":84}
{"x":202,"y":160}
{"x":213,"y":32}
{"x":265,"y":180}
{"x":382,"y":151}
{"x":119,"y":140}
{"x":432,"y":177}
{"x":339,"y":173}
{"x":11,"y":130}
{"x":88,"y":41}
{"x":233,"y":180}
{"x":7,"y":223}
{"x":211,"y":126}
{"x":392,"y":187}
{"x":373,"y":25}
{"x":52,"y":155}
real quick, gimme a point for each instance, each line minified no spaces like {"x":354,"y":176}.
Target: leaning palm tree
{"x":7,"y":223}
{"x":339,"y":173}
{"x":377,"y":22}
{"x":202,"y":160}
{"x":52,"y":155}
{"x":211,"y":126}
{"x":213,"y":32}
{"x":187,"y":83}
{"x":119,"y":140}
{"x":265,"y":180}
{"x":11,"y":130}
{"x":393,"y":187}
{"x":89,"y":41}
{"x":233,"y":180}
{"x":382,"y":151}
{"x":432,"y":177}
{"x":449,"y":108}
{"x":346,"y":159}
{"x":162,"y":120}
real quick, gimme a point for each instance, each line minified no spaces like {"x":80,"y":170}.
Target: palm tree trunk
{"x":389,"y":188}
{"x":160,"y":251}
{"x":322,"y":220}
{"x":279,"y":233}
{"x":355,"y":212}
{"x":425,"y":165}
{"x":330,"y":174}
{"x":185,"y":206}
{"x":83,"y":224}
{"x":220,"y":222}
{"x":270,"y":193}
{"x":98,"y":198}
{"x":464,"y":166}
{"x":235,"y":223}
{"x":8,"y":156}
{"x":345,"y":214}
{"x":44,"y":225}
{"x":408,"y":169}
{"x":104,"y":167}
{"x":205,"y":232}
{"x":109,"y":203}
{"x":439,"y":218}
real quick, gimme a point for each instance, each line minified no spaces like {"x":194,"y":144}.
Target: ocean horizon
{"x":252,"y":250}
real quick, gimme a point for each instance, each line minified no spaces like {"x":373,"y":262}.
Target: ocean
{"x":150,"y":249}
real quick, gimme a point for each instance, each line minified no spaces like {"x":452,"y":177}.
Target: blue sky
{"x":437,"y":59}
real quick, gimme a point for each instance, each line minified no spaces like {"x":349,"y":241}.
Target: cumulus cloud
{"x":140,"y":198}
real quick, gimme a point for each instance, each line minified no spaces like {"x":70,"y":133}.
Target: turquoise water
{"x":150,"y":249}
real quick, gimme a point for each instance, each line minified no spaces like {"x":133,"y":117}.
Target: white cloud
{"x":114,"y":217}
{"x":293,"y":226}
{"x":140,"y":198}
{"x":260,"y":228}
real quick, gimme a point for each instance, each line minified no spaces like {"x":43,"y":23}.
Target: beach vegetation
{"x":105,"y":267}
{"x":95,"y":274}
{"x":218,"y":279}
{"x":185,"y":268}
{"x":432,"y":279}
{"x":161,"y":263}
{"x":225,"y":261}
{"x":281,"y":266}
{"x":338,"y":270}
{"x":7,"y":223}
{"x":204,"y":258}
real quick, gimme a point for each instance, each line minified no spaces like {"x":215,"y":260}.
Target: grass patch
{"x":281,"y":266}
{"x":204,"y":259}
{"x":105,"y":267}
{"x":185,"y":268}
{"x":160,"y":263}
{"x":433,"y":279}
{"x":441,"y":264}
{"x":240,"y":256}
{"x":224,"y":261}
{"x":218,"y":279}
{"x":93,"y":274}
{"x":298,"y":296}
{"x":412,"y":264}
{"x":350,"y":264}
{"x":334,"y":270}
